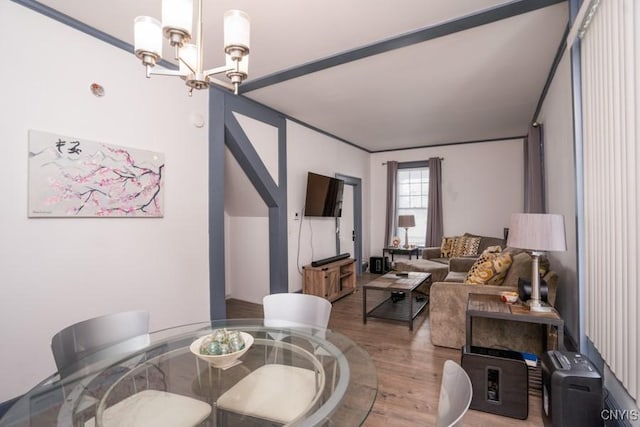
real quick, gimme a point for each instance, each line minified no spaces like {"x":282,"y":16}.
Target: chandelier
{"x":177,"y":20}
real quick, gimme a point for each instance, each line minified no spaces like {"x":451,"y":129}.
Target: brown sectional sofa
{"x":447,"y":311}
{"x":432,"y":262}
{"x":449,"y":293}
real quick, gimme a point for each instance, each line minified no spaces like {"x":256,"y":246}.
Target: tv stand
{"x":332,"y":281}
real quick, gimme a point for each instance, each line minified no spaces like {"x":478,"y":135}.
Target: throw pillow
{"x":490,"y":269}
{"x":446,"y":247}
{"x":520,"y":267}
{"x":492,"y":249}
{"x":465,"y":246}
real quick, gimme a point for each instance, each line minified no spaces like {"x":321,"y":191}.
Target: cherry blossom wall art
{"x":73,"y":177}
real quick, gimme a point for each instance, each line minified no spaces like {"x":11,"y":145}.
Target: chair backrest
{"x":455,"y":395}
{"x":77,"y":341}
{"x":283,"y":309}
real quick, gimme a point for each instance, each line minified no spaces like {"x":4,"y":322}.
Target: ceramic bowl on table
{"x":220,"y":360}
{"x":509,"y":297}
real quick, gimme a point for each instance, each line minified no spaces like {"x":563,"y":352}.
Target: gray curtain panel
{"x":390,"y":223}
{"x":434,"y":212}
{"x":534,"y":191}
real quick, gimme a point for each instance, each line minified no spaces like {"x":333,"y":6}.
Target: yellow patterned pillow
{"x":492,"y":249}
{"x":465,"y":246}
{"x":446,"y":247}
{"x":489,"y":269}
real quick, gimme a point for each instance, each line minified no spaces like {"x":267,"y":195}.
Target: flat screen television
{"x":324,"y":196}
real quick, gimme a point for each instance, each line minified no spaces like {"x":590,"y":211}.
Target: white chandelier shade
{"x":176,"y":26}
{"x":177,"y":15}
{"x":236,"y":29}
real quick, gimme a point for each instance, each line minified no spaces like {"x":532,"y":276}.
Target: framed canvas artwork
{"x":73,"y":177}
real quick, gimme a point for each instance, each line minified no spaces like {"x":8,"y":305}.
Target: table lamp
{"x":537,"y":233}
{"x":406,"y":221}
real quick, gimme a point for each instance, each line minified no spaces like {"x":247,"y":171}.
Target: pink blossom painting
{"x":73,"y":177}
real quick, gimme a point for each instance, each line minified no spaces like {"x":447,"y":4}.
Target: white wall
{"x":556,"y":117}
{"x":482,"y":185}
{"x":247,"y":228}
{"x":248,"y":258}
{"x":246,"y":217}
{"x":54,"y":272}
{"x":311,"y":151}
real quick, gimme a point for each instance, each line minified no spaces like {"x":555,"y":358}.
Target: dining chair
{"x":115,"y":336}
{"x":276,"y":392}
{"x":455,"y":395}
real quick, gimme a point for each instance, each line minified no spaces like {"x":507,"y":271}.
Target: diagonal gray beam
{"x":487,"y":16}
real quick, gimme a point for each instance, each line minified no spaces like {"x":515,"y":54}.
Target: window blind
{"x":610,"y":66}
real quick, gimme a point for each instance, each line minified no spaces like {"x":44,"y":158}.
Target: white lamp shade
{"x":406,"y":221}
{"x":189,"y":54}
{"x":147,"y":35}
{"x":537,"y":232}
{"x":236,"y":29}
{"x":177,"y":14}
{"x":243,"y":63}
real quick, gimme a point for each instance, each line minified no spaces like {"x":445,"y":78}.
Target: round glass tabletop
{"x":107,"y":383}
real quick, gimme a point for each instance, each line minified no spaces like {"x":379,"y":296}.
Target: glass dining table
{"x":164,"y":362}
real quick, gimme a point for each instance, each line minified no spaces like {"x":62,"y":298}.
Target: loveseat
{"x":448,"y":302}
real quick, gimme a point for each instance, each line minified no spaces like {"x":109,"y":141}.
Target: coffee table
{"x":404,"y":310}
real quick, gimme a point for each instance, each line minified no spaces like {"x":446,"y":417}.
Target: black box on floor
{"x":571,"y":390}
{"x":379,"y":265}
{"x":500,"y":381}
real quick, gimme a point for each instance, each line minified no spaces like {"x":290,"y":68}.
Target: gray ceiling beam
{"x":81,"y":26}
{"x":487,"y":16}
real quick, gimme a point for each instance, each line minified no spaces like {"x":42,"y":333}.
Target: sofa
{"x":448,"y":302}
{"x":433,"y":262}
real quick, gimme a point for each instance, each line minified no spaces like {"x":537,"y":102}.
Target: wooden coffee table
{"x":404,"y":310}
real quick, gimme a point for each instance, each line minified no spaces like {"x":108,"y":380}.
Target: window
{"x":412,"y":199}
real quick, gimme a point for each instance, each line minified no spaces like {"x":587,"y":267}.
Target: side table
{"x":402,"y":251}
{"x":491,"y":306}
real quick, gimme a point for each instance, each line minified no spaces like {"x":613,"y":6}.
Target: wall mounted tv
{"x":324,"y":196}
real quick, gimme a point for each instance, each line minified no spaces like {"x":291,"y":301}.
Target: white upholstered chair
{"x":116,"y":335}
{"x":455,"y":395}
{"x":276,"y":392}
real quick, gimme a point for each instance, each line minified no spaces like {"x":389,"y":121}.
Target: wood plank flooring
{"x":409,"y":367}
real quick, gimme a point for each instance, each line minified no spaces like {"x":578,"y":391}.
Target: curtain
{"x":534,"y":194}
{"x":392,"y":173}
{"x":434,"y":212}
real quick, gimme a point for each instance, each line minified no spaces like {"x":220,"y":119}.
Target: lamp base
{"x":539,"y":306}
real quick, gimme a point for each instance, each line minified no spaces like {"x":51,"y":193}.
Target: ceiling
{"x":479,"y":83}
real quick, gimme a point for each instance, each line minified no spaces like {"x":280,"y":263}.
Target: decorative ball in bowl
{"x":509,"y":296}
{"x":222,"y":348}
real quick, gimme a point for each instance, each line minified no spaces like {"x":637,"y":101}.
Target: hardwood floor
{"x":409,"y":367}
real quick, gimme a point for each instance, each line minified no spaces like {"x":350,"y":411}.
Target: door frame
{"x":356,"y":183}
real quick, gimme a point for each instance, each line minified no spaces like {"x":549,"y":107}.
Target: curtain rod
{"x":441,"y":159}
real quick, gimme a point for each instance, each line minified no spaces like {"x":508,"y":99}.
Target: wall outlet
{"x":296,"y":216}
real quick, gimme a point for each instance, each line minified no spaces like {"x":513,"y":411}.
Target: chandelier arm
{"x":164,"y":72}
{"x":218,"y":70}
{"x":179,"y":58}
